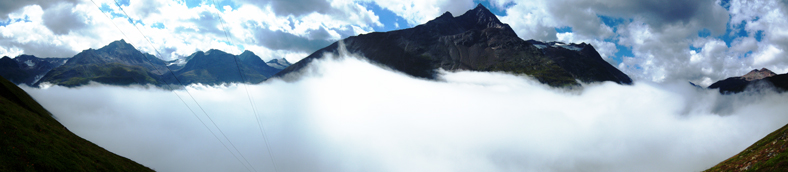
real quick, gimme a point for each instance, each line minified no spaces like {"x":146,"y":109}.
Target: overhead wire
{"x":187,"y":91}
{"x":176,"y":94}
{"x":249,"y":96}
{"x":179,"y":97}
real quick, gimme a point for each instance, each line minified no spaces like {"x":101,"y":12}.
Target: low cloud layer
{"x":348,"y":115}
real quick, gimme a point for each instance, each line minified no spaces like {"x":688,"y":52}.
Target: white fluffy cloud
{"x":7,"y":7}
{"x":348,"y":115}
{"x":532,"y":20}
{"x":175,"y":30}
{"x":419,"y":12}
{"x":764,"y":19}
{"x":659,"y":34}
{"x":665,"y":38}
{"x":61,"y":30}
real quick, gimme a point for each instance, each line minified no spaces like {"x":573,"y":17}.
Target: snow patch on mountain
{"x":543,"y":45}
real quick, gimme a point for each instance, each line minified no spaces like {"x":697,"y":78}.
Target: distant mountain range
{"x":475,"y":41}
{"x":27,"y":69}
{"x":119,"y":63}
{"x":755,"y":80}
{"x":32,"y":140}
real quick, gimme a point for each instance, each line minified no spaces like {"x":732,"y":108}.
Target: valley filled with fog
{"x":345,"y":114}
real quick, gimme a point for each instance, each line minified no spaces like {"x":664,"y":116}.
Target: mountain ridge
{"x":756,"y":80}
{"x":476,"y":41}
{"x":119,"y":63}
{"x":756,"y":74}
{"x":27,"y":69}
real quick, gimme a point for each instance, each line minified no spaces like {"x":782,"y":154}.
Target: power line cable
{"x":238,"y":66}
{"x":179,"y":97}
{"x":187,"y":91}
{"x":176,"y":94}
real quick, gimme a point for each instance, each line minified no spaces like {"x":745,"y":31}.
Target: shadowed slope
{"x":32,"y":140}
{"x":768,"y":154}
{"x":755,"y":80}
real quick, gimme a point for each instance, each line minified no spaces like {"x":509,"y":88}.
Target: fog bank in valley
{"x":346,"y":114}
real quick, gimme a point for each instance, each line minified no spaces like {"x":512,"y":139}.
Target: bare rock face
{"x":475,"y":41}
{"x":756,"y":74}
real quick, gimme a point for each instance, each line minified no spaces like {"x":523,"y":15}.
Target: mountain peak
{"x":282,"y":60}
{"x":479,"y":18}
{"x":246,"y":55}
{"x":119,"y":44}
{"x":483,"y":13}
{"x":482,"y":16}
{"x":6,"y":62}
{"x":278,"y":63}
{"x":215,"y":51}
{"x":480,"y":7}
{"x":756,"y":74}
{"x":447,"y":14}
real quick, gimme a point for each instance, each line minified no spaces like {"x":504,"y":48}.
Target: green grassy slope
{"x":768,"y":154}
{"x":32,"y":140}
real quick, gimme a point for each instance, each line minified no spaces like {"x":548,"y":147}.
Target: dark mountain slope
{"x":476,"y":41}
{"x":27,"y":69}
{"x":779,"y":81}
{"x":32,"y":140}
{"x":755,"y":80}
{"x":37,"y":67}
{"x":216,"y":67}
{"x":11,"y":70}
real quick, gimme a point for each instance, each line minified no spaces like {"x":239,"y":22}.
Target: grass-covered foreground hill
{"x":768,"y":154}
{"x":32,"y":140}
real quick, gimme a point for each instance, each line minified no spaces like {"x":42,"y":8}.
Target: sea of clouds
{"x":345,"y":114}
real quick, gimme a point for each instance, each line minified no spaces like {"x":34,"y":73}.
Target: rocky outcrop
{"x":756,"y":74}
